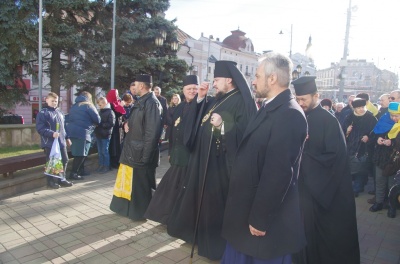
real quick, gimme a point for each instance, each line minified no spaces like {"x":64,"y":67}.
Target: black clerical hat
{"x":222,"y":69}
{"x":364,"y":96}
{"x":144,"y":78}
{"x":191,"y":79}
{"x":305,"y":85}
{"x":357,"y":102}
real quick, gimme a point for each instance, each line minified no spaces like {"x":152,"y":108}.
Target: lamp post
{"x":208,"y":55}
{"x":297,"y":72}
{"x":173,"y":45}
{"x":291,"y":38}
{"x":40,"y":69}
{"x":113,"y":47}
{"x":343,"y":62}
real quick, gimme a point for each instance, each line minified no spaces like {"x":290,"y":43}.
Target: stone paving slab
{"x":75,"y":225}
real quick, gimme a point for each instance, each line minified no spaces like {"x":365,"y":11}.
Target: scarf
{"x":394,"y":108}
{"x":384,"y":124}
{"x":115,"y":102}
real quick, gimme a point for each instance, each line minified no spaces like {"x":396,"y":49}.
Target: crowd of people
{"x":270,"y":179}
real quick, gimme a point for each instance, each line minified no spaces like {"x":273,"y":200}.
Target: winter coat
{"x":46,"y":121}
{"x":82,"y":119}
{"x":362,"y":126}
{"x":141,"y":142}
{"x":104,"y":129}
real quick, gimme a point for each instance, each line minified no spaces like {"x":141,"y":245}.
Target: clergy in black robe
{"x":168,"y":189}
{"x":326,"y":195}
{"x":219,"y":133}
{"x":262,"y":221}
{"x":140,"y":151}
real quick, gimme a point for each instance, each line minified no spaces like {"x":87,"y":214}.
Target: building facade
{"x":201,"y":54}
{"x":359,"y":76}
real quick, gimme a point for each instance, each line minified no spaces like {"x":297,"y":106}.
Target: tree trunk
{"x":55,"y":70}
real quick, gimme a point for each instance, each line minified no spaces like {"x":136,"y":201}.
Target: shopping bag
{"x":359,"y":164}
{"x":54,"y":167}
{"x":123,"y":183}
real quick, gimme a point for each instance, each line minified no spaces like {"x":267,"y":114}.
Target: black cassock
{"x":326,"y":195}
{"x":168,"y":189}
{"x":218,"y":158}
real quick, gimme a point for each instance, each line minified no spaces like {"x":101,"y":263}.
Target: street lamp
{"x":291,"y":38}
{"x":173,"y":45}
{"x":297,"y":72}
{"x":159,"y":40}
{"x":299,"y":68}
{"x":208,"y":54}
{"x":295,"y":75}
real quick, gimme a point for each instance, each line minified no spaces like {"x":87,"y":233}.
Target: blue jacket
{"x":46,"y":121}
{"x":82,"y":119}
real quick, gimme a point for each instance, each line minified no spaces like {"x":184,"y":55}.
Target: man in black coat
{"x":326,"y":195}
{"x":163,"y":102}
{"x":140,"y":151}
{"x":346,"y":110}
{"x":262,"y":222}
{"x":216,"y":140}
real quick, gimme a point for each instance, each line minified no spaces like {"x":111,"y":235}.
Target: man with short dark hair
{"x":262,"y":221}
{"x":348,"y":109}
{"x":163,"y":101}
{"x":326,"y":195}
{"x":132,"y":91}
{"x":140,"y":151}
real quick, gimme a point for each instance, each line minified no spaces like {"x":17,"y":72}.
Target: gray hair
{"x":279,"y":64}
{"x":340,"y":104}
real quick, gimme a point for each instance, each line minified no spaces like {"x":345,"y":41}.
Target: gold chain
{"x":207,"y":116}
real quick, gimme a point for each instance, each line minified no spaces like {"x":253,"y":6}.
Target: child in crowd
{"x":46,"y":125}
{"x":103,"y":134}
{"x":129,"y":101}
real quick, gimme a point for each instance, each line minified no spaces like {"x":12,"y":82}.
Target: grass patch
{"x":7,"y":152}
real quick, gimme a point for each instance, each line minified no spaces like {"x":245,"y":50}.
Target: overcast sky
{"x":374,"y":31}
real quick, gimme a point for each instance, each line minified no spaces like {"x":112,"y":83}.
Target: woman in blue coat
{"x":82,"y":120}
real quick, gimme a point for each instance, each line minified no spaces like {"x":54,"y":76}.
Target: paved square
{"x":75,"y":225}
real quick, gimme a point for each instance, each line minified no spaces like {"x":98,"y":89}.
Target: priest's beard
{"x":219,"y":95}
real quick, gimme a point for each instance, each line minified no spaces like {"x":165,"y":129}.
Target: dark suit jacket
{"x":263,"y":183}
{"x":163,"y":102}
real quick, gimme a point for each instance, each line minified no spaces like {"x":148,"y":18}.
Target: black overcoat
{"x":210,"y":163}
{"x":263,"y":183}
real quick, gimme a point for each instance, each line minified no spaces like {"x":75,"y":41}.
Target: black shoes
{"x":75,"y":176}
{"x":65,"y":183}
{"x":376,"y":207}
{"x":53,"y":185}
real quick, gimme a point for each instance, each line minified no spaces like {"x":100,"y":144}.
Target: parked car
{"x":8,"y":119}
